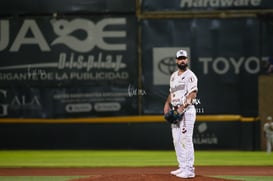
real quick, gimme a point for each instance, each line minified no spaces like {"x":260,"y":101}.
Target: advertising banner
{"x":223,"y":54}
{"x":15,"y":7}
{"x":210,"y":135}
{"x":205,"y":5}
{"x":78,"y":102}
{"x":79,"y":65}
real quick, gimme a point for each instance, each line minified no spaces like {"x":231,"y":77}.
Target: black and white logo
{"x":164,"y":63}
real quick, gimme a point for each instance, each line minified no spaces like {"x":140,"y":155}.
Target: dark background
{"x":232,"y":33}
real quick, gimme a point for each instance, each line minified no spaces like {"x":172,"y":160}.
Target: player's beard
{"x":182,"y":66}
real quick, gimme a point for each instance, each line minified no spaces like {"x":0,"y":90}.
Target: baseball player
{"x":268,"y":129}
{"x":183,"y":90}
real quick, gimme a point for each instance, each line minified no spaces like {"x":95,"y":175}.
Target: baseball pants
{"x":182,"y":134}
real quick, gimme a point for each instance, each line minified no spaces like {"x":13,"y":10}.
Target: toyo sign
{"x":223,"y":65}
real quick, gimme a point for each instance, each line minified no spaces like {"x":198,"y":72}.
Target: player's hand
{"x":172,"y":117}
{"x":180,"y":109}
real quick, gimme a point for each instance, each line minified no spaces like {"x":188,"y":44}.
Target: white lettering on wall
{"x":218,"y":3}
{"x":223,"y":65}
{"x":96,"y":35}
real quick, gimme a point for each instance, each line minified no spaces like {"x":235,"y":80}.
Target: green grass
{"x":102,"y":158}
{"x":85,"y":158}
{"x":248,"y":178}
{"x":234,"y":158}
{"x":131,"y":158}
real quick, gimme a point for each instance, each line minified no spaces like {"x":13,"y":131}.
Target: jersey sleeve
{"x":192,"y":84}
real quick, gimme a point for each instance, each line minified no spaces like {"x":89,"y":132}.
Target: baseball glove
{"x":173,"y":117}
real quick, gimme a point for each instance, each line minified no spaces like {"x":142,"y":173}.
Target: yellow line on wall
{"x":126,"y":119}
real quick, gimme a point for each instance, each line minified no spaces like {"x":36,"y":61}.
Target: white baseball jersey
{"x":268,"y":128}
{"x":181,"y":86}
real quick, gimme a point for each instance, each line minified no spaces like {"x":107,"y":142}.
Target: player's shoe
{"x":186,"y":175}
{"x":175,"y":172}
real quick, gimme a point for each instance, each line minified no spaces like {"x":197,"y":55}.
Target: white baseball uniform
{"x":182,"y":133}
{"x":268,"y":128}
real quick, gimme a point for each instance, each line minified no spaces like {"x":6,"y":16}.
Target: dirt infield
{"x":143,"y":177}
{"x":138,"y":173}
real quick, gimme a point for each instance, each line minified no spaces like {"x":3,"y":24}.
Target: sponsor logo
{"x":224,"y":65}
{"x":17,"y":102}
{"x":135,"y":92}
{"x":78,"y":35}
{"x":219,"y":3}
{"x":95,"y":35}
{"x":204,"y":137}
{"x":167,"y":65}
{"x":164,"y":63}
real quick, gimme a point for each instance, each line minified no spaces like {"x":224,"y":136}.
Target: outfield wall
{"x":221,"y":132}
{"x":97,"y":58}
{"x":77,"y":65}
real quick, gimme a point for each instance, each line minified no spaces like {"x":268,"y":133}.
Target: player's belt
{"x":175,"y":107}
